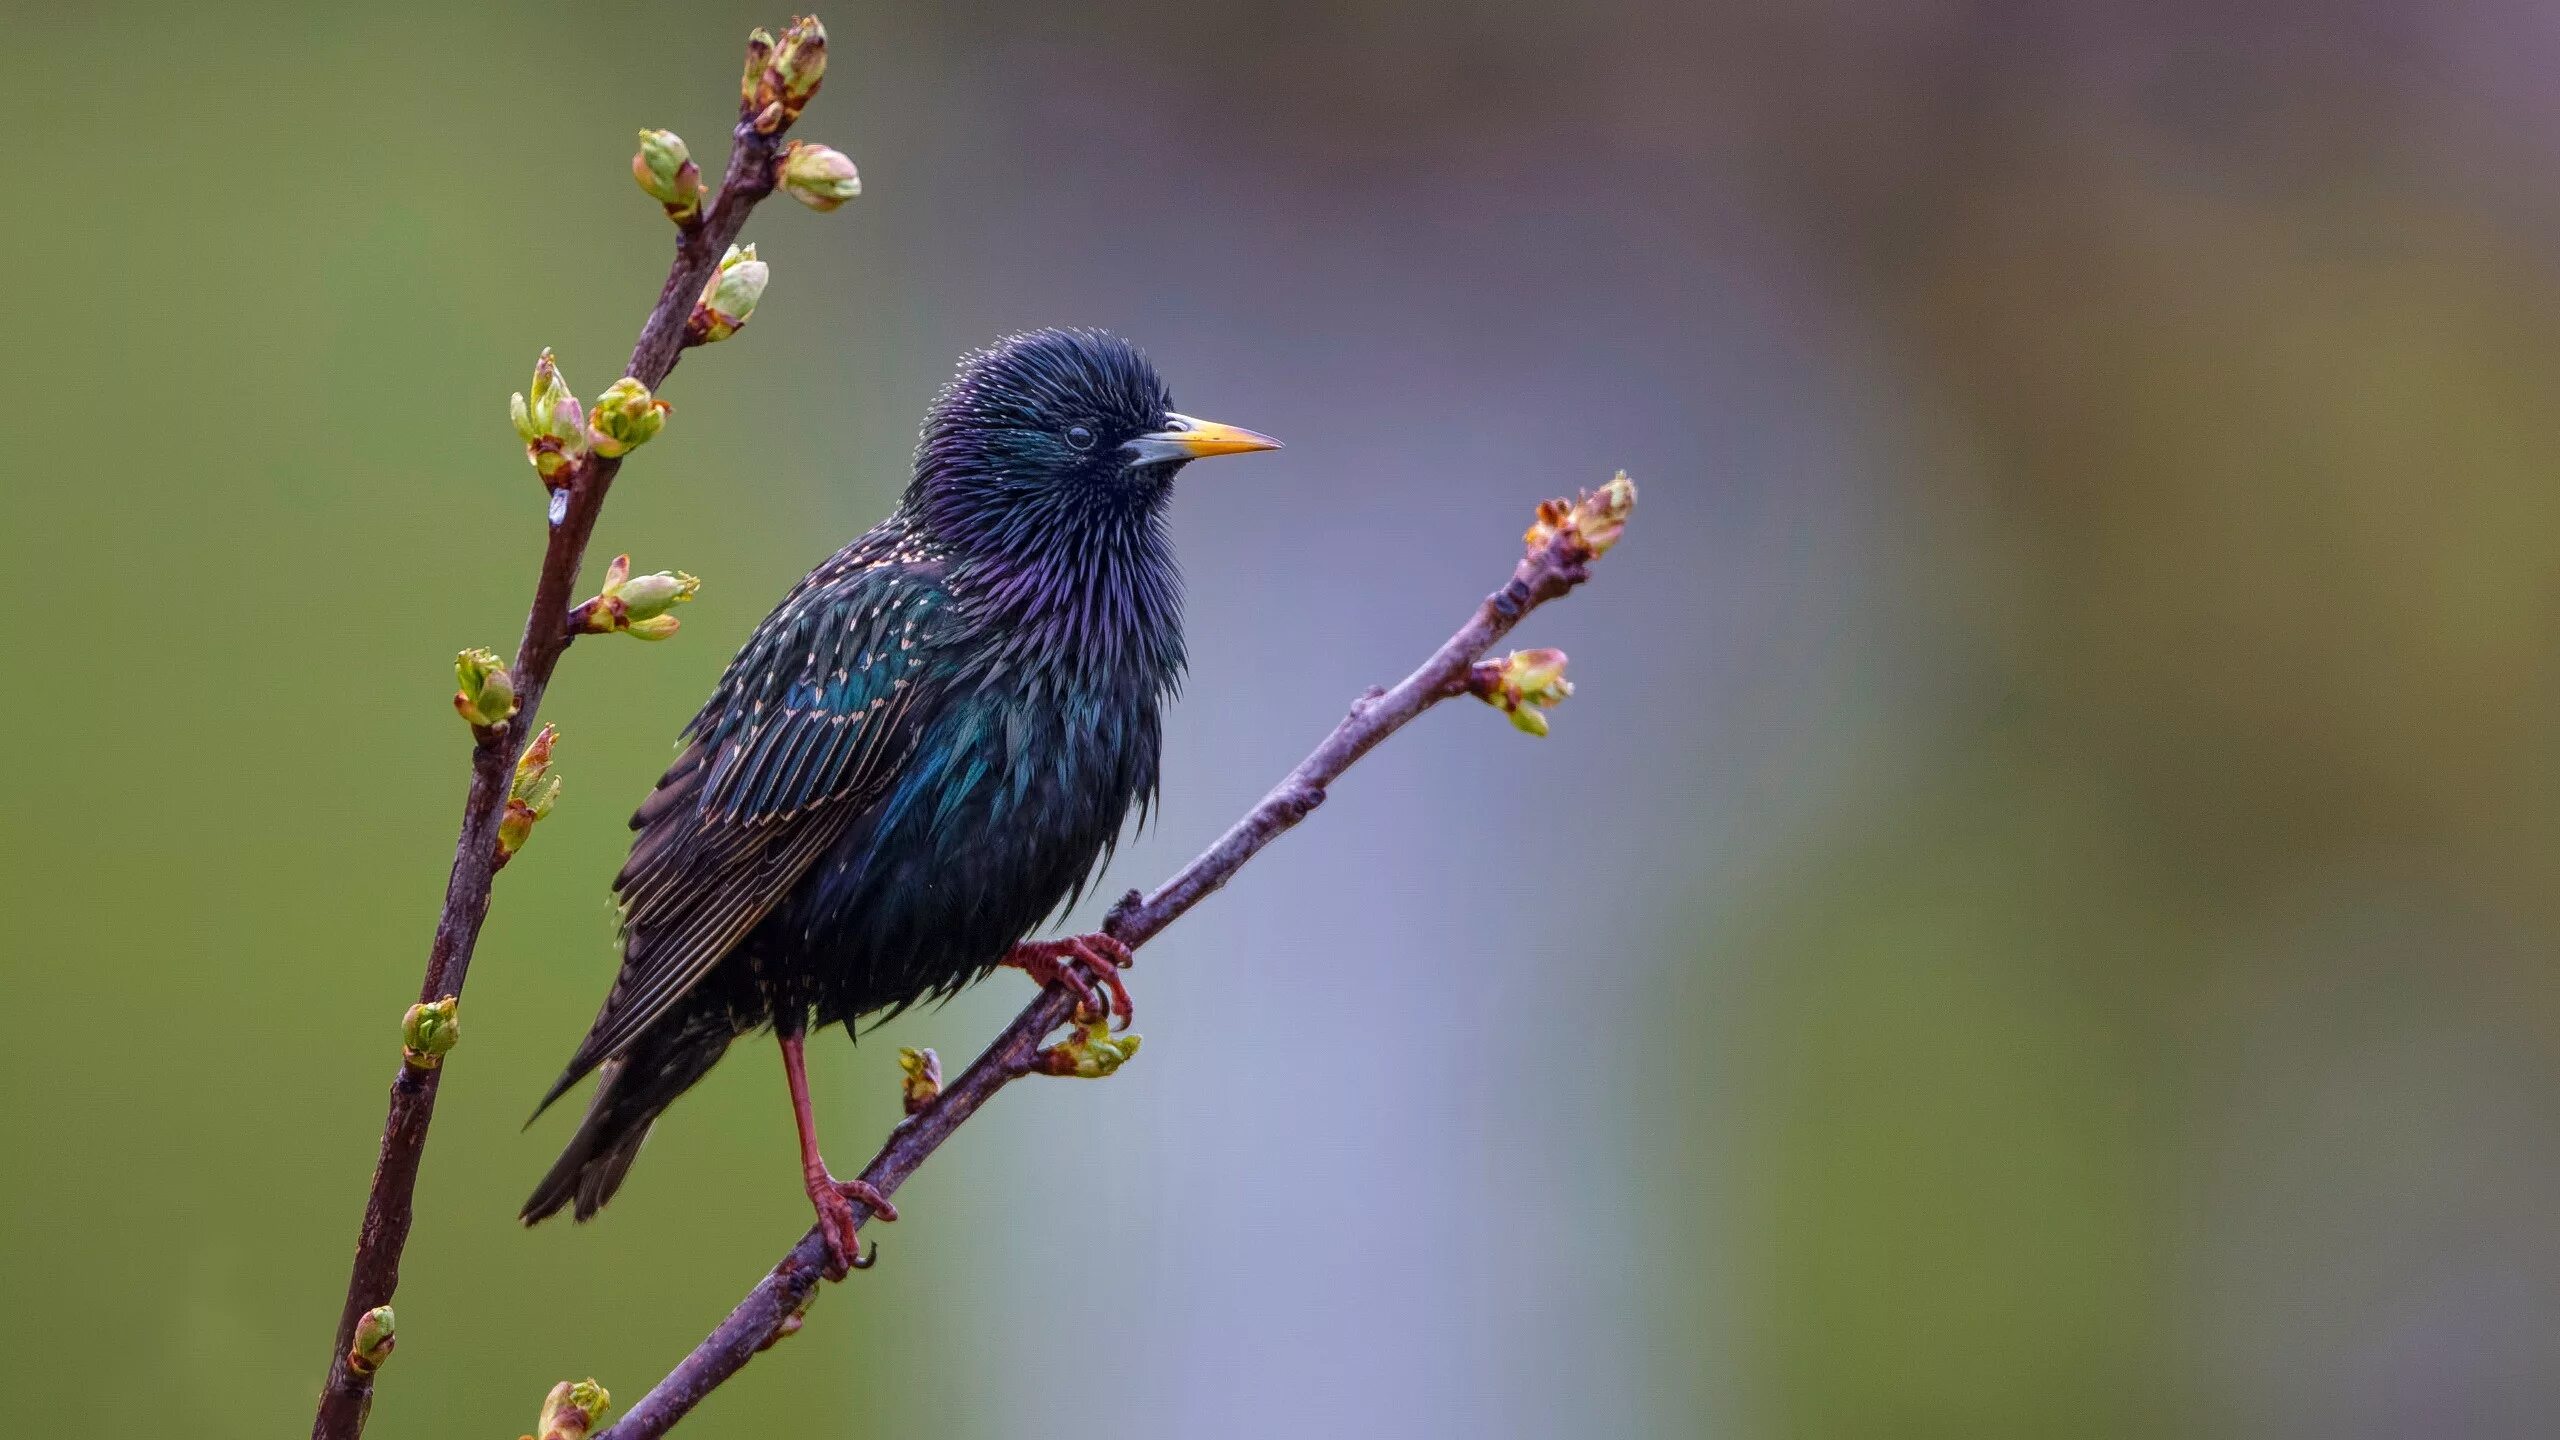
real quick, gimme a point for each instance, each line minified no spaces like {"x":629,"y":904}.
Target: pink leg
{"x":833,"y":1197}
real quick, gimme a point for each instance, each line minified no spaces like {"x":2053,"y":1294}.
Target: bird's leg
{"x":1086,"y":964}
{"x":833,"y":1197}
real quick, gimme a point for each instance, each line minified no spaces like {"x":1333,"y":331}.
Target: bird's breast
{"x":1061,"y":768}
{"x":1013,"y":795}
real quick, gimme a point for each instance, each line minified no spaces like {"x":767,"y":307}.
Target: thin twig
{"x":348,"y":1393}
{"x":1557,"y":560}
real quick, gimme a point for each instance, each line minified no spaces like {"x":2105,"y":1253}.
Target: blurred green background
{"x":2039,"y":921}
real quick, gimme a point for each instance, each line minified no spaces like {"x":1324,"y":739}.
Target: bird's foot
{"x":1090,"y":965}
{"x":834,"y":1200}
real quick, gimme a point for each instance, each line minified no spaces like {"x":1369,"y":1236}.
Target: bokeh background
{"x":2039,"y":921}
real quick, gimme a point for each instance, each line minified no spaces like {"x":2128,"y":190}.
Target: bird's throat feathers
{"x":1077,"y":579}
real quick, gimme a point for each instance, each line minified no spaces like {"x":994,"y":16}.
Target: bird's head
{"x":1056,"y":436}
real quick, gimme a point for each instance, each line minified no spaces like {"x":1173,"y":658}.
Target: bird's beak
{"x":1184,"y":438}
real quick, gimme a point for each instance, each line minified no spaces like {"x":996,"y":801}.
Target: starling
{"x":926,"y":749}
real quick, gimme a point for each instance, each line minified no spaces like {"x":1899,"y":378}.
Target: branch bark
{"x":1560,"y":550}
{"x":347,"y":1395}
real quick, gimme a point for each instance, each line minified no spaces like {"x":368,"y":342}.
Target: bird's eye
{"x":1080,"y":436}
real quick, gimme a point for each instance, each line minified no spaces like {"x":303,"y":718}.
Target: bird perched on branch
{"x":923,"y":752}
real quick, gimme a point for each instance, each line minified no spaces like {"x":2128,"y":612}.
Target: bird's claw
{"x":1090,"y":965}
{"x":835,"y":1200}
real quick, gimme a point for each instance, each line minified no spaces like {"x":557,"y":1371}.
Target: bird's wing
{"x":809,"y":726}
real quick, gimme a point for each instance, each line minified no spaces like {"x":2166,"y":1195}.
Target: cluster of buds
{"x":1089,"y":1054}
{"x":551,"y":422}
{"x":626,"y":417}
{"x":728,"y":297}
{"x":530,"y":795}
{"x":374,"y":1341}
{"x":634,"y":605}
{"x":558,"y":432}
{"x":817,"y":176}
{"x":571,"y":1410}
{"x":1524,"y":685}
{"x":487,"y":695}
{"x":922,"y":1082}
{"x":429,"y":1031}
{"x":782,"y":74}
{"x":666,"y":170}
{"x":1595,"y":521}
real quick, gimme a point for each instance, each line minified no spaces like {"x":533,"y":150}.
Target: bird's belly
{"x":998,"y":823}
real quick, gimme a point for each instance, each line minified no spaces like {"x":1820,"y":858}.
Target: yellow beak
{"x":1184,"y":438}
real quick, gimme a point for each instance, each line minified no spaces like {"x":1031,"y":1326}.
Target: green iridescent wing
{"x":808,"y":728}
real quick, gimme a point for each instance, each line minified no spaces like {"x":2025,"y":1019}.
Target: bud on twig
{"x":817,"y":176}
{"x":729,"y":297}
{"x":923,"y":1081}
{"x":1089,"y":1054}
{"x":782,"y":75}
{"x":666,"y":170}
{"x":488,"y":693}
{"x":530,"y":795}
{"x":801,"y":60}
{"x":792,"y":1322}
{"x":1603,"y":514}
{"x":571,"y":1410}
{"x":1595,"y":521}
{"x":374,"y":1341}
{"x":626,"y":417}
{"x":1523,"y":685}
{"x":429,"y":1031}
{"x":759,"y":55}
{"x":551,"y":423}
{"x":634,"y":605}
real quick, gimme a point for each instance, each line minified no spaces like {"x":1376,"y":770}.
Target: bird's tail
{"x":632,"y":1090}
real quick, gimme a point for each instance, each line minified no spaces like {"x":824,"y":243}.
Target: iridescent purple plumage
{"x":927,"y":749}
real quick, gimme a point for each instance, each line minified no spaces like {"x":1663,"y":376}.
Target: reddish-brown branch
{"x":346,"y":1396}
{"x":1556,"y":562}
